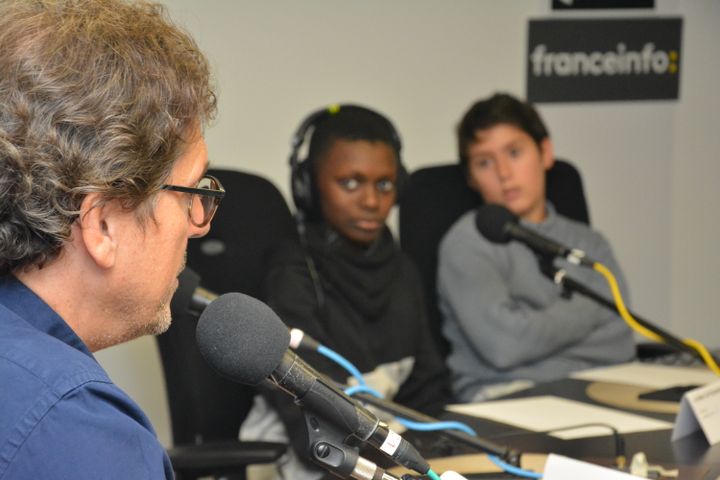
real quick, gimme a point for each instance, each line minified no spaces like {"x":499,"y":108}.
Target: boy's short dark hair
{"x":501,"y":108}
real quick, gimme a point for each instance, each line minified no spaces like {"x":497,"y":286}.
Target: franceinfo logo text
{"x":622,"y":61}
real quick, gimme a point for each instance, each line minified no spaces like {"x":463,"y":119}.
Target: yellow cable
{"x":620,"y":303}
{"x":625,"y":314}
{"x":703,"y":351}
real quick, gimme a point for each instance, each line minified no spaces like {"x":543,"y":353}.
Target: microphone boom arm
{"x":510,"y":455}
{"x":560,"y":277}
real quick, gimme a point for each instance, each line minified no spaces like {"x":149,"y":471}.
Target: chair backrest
{"x":251,"y":220}
{"x":438,"y":196}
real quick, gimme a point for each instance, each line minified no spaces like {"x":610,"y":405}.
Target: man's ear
{"x":547,"y":153}
{"x":97,"y":229}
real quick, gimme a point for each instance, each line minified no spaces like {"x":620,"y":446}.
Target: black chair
{"x":438,"y":196}
{"x":205,"y":409}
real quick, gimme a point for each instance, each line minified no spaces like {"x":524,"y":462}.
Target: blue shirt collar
{"x":18,"y":298}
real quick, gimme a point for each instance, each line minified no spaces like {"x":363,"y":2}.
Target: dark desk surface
{"x":692,"y":455}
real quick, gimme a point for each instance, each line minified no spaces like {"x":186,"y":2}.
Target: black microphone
{"x":201,"y":298}
{"x":190,"y":297}
{"x":500,"y":225}
{"x":301,"y":342}
{"x":246,"y":342}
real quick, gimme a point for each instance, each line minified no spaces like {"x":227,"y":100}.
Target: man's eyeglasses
{"x":204,"y":199}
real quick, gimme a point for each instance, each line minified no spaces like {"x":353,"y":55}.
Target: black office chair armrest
{"x":222,"y":457}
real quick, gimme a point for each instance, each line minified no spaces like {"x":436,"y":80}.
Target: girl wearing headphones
{"x":348,"y":285}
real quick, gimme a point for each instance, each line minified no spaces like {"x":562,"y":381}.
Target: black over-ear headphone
{"x":301,"y":174}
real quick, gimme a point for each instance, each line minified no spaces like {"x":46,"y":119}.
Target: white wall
{"x":650,"y":168}
{"x":695,"y":261}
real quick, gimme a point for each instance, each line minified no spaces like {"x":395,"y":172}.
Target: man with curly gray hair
{"x":102,"y":181}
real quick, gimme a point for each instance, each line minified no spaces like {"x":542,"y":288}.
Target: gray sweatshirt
{"x":506,"y":321}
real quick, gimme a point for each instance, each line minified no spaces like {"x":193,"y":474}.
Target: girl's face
{"x":356,"y":185}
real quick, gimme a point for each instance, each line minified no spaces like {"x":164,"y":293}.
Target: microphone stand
{"x":569,"y":285}
{"x":509,"y":455}
{"x":328,"y":449}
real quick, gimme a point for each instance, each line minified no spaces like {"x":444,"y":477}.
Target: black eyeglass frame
{"x":216,"y":194}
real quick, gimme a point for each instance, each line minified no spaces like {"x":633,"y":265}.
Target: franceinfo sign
{"x":579,"y":60}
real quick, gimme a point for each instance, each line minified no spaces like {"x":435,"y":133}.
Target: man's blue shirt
{"x":61,"y":417}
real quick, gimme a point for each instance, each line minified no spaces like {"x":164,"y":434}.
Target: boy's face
{"x":356,"y":183}
{"x":507,"y":167}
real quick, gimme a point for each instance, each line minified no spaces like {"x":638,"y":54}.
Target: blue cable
{"x":430,"y":427}
{"x":513,"y":469}
{"x":433,"y":476}
{"x":362,"y":387}
{"x":343,"y":362}
{"x":350,"y":391}
{"x":411,"y":424}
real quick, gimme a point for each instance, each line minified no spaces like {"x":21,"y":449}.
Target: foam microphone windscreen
{"x":241,"y":338}
{"x":493,"y":220}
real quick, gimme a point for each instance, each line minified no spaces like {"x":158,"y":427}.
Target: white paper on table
{"x":648,"y":375}
{"x":544,"y":413}
{"x":558,"y":467}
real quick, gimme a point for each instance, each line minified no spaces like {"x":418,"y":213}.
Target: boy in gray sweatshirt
{"x":507,"y":324}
